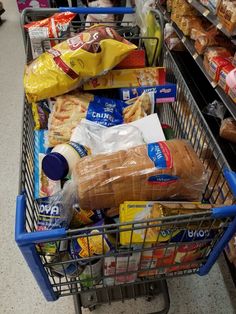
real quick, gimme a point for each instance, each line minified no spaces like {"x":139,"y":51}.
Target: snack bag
{"x":40,"y":32}
{"x":41,"y":111}
{"x":68,"y":64}
{"x":92,"y":243}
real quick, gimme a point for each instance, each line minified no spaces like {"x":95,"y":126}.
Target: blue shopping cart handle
{"x":87,"y":10}
{"x":230,"y":177}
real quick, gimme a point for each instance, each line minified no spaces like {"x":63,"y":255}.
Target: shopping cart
{"x":63,"y":275}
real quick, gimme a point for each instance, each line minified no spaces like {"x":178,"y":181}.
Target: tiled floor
{"x":19,"y":294}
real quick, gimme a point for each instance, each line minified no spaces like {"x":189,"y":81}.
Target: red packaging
{"x":222,"y":77}
{"x":215,"y":66}
{"x":52,"y":27}
{"x":135,"y":59}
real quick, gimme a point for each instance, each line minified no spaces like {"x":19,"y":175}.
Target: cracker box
{"x":150,"y":229}
{"x":125,"y":262}
{"x":35,"y":4}
{"x":150,"y":76}
{"x":162,"y":93}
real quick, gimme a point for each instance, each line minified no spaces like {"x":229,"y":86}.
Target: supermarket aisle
{"x":18,"y":290}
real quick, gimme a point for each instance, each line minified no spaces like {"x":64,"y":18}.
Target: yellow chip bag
{"x":70,"y":63}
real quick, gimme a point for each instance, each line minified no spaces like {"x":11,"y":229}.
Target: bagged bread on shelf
{"x":157,"y":171}
{"x":211,"y":39}
{"x":71,"y":108}
{"x":228,"y":129}
{"x":227,"y":15}
{"x":212,"y":52}
{"x":171,"y":39}
{"x":73,"y":61}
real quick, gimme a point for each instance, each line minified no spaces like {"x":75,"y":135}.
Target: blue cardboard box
{"x":162,"y":93}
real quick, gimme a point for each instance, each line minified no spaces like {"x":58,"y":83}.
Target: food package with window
{"x":162,"y":170}
{"x":70,"y":109}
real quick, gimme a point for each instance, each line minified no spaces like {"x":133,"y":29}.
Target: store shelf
{"x":230,"y":105}
{"x":211,"y":18}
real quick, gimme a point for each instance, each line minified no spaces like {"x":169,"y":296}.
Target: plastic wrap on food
{"x":73,"y":61}
{"x":156,"y":171}
{"x":70,"y":109}
{"x":228,"y":129}
{"x":101,"y":139}
{"x":42,"y":32}
{"x":56,"y":212}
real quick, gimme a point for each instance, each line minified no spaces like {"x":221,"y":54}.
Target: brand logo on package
{"x":160,"y":154}
{"x":162,"y":179}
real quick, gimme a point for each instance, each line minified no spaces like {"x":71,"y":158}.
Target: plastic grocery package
{"x":101,"y":139}
{"x":65,"y":66}
{"x":70,"y":109}
{"x":55,"y":26}
{"x":228,"y":129}
{"x":56,"y":212}
{"x":163,"y":170}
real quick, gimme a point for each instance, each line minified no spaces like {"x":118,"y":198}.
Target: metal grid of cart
{"x":210,"y":229}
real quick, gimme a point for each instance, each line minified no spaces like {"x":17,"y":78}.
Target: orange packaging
{"x":222,"y":77}
{"x":135,"y":59}
{"x":215,"y":66}
{"x":155,"y":260}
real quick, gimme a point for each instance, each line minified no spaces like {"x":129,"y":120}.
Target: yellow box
{"x":149,"y":76}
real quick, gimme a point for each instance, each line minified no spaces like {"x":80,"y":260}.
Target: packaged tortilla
{"x":41,"y":32}
{"x":70,"y":63}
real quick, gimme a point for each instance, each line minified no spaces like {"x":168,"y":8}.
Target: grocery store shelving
{"x":211,"y":18}
{"x":231,"y":106}
{"x":188,"y":43}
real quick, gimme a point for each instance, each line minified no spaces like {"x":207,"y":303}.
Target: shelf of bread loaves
{"x":211,"y":50}
{"x":203,"y":65}
{"x":216,"y":17}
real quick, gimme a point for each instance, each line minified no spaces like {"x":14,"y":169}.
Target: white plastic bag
{"x":101,"y":139}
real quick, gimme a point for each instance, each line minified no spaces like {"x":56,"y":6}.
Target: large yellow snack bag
{"x":70,"y":63}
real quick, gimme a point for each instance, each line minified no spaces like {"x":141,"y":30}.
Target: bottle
{"x":61,"y":161}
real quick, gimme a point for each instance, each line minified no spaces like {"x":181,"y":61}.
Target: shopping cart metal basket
{"x":120,"y":273}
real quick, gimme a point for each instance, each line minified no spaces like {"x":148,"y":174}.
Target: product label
{"x":81,"y":150}
{"x":105,"y":111}
{"x":159,"y":153}
{"x":162,"y":179}
{"x":50,"y":213}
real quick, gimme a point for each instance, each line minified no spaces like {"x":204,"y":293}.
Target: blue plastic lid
{"x":55,"y":166}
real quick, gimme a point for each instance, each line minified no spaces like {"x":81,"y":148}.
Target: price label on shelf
{"x":195,"y":55}
{"x":183,"y":39}
{"x":205,"y":13}
{"x":213,"y":84}
{"x":219,"y":26}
